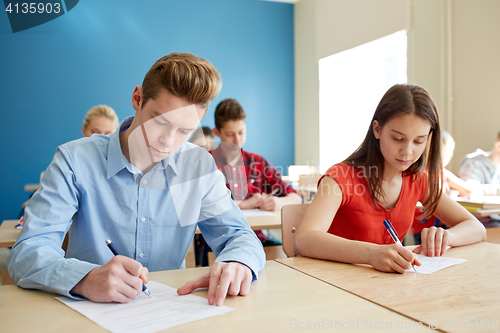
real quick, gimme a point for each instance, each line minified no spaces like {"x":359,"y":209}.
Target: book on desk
{"x":484,"y":207}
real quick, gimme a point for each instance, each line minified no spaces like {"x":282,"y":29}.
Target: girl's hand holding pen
{"x":435,"y":241}
{"x":392,"y":258}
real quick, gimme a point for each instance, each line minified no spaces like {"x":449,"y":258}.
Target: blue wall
{"x":96,"y":53}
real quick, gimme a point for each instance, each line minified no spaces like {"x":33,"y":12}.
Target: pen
{"x":116,"y":253}
{"x":394,"y":235}
{"x":276,"y":190}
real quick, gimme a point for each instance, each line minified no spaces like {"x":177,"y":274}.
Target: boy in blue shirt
{"x":145,"y":188}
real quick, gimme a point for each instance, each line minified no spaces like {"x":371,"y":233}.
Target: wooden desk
{"x":31,"y":187}
{"x":265,"y":222}
{"x":493,"y":235}
{"x":282,"y":299}
{"x":8,"y":234}
{"x":469,"y":291}
{"x":262,"y":222}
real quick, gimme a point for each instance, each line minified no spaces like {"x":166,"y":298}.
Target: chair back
{"x":291,"y":216}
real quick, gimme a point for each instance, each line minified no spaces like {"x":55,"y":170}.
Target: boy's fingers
{"x":132,"y":266}
{"x":215,"y":272}
{"x":245,"y":285}
{"x":144,"y":275}
{"x":224,"y":282}
{"x":201,"y":282}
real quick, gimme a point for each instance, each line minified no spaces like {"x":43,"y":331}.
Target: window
{"x":351,"y":84}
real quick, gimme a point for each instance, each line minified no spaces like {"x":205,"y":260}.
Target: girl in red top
{"x":397,"y":165}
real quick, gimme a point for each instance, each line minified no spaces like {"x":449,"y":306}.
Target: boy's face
{"x":204,"y":142}
{"x":162,"y":126}
{"x":233,"y":131}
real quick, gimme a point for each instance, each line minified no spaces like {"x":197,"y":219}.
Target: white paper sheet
{"x":433,"y":264}
{"x":256,"y":212}
{"x":163,"y":310}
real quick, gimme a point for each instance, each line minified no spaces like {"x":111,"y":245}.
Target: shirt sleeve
{"x":228,"y":234}
{"x":473,"y":172}
{"x":37,"y":260}
{"x":273,"y":178}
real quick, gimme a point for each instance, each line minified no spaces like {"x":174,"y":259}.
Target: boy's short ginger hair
{"x":228,"y":109}
{"x":184,"y":75}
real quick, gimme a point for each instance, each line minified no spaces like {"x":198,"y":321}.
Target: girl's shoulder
{"x":341,"y":171}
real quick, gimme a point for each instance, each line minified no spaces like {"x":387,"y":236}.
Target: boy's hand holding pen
{"x":119,"y":280}
{"x":268,"y":201}
{"x":273,"y":193}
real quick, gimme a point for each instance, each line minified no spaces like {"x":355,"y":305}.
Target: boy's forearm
{"x":291,"y":198}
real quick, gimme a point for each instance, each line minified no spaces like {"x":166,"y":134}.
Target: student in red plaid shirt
{"x":253,"y":181}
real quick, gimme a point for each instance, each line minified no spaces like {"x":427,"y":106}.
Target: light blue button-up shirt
{"x":92,"y":190}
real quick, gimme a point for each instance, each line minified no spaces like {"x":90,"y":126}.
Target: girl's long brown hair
{"x":404,"y":99}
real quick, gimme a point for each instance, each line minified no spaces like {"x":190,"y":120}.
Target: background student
{"x":100,"y":119}
{"x":397,"y":165}
{"x":452,"y":185}
{"x":138,"y":188}
{"x":203,"y":137}
{"x":482,"y":169}
{"x":249,"y":176}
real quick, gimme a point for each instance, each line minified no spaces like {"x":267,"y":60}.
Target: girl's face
{"x":402,"y":140}
{"x":99,"y":124}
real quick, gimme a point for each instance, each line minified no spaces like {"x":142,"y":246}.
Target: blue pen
{"x":116,"y":253}
{"x":394,"y":235}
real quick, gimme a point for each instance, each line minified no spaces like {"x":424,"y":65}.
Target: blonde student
{"x":100,"y":119}
{"x":397,"y":165}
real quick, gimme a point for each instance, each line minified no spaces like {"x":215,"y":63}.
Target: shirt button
{"x":143,"y":219}
{"x":234,"y":169}
{"x":141,"y":255}
{"x":235,"y":185}
{"x":144,"y":182}
{"x":252,"y":180}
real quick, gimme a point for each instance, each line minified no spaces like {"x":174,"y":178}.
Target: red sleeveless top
{"x":357,"y":217}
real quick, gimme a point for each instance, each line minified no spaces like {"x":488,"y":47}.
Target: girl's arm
{"x":465,"y":229}
{"x":313,"y":240}
{"x":457,"y":184}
